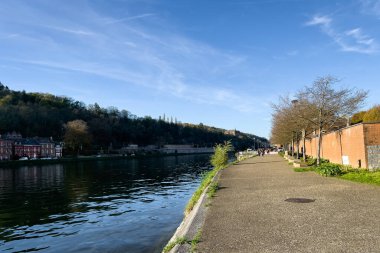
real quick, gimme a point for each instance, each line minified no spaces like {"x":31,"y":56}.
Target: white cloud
{"x":144,"y":54}
{"x":353,"y":40}
{"x":319,"y":20}
{"x":72,"y":31}
{"x":110,"y":21}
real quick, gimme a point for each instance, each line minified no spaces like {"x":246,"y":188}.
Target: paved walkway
{"x":249,"y":213}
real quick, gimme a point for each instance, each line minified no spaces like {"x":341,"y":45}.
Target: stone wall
{"x":373,"y":157}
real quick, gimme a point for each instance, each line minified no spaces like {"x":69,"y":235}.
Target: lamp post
{"x":294,"y":103}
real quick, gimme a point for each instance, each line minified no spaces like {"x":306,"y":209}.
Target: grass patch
{"x":290,"y":163}
{"x":363,"y":176}
{"x":171,"y":245}
{"x":220,"y":161}
{"x":344,"y":172}
{"x":214,"y":186}
{"x":207,"y":178}
{"x":195,"y":241}
{"x":306,"y":169}
{"x":182,"y":240}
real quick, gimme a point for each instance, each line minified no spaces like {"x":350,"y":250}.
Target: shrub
{"x":372,"y":115}
{"x":281,"y":153}
{"x":311,"y":161}
{"x":220,"y":157}
{"x":219,"y":160}
{"x":357,"y":117}
{"x":329,"y":169}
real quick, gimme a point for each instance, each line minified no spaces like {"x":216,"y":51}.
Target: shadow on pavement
{"x":260,"y":162}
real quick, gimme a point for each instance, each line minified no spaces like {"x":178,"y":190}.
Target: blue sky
{"x":219,"y":62}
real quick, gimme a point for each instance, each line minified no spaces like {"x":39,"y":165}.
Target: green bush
{"x":372,"y":115}
{"x":219,"y":160}
{"x":311,"y":161}
{"x":281,"y":153}
{"x":220,"y":157}
{"x":329,"y":169}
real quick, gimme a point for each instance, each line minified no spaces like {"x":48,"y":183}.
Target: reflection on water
{"x":99,"y":206}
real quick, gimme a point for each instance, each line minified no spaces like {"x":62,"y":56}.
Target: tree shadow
{"x":259,"y":162}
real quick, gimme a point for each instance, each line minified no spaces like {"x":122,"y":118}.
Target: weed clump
{"x":329,"y":169}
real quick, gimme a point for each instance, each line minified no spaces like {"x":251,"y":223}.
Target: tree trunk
{"x":298,"y":146}
{"x":292,"y":144}
{"x":319,"y":146}
{"x":304,"y":144}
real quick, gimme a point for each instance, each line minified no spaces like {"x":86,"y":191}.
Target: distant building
{"x":130,"y":149}
{"x":6,"y":150}
{"x":12,"y":136}
{"x":27,"y":148}
{"x":58,"y":147}
{"x":184,"y":149}
{"x":232,"y":132}
{"x":48,"y":148}
{"x":13,"y":146}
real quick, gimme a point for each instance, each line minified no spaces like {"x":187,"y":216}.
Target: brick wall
{"x":372,"y":142}
{"x":358,"y":146}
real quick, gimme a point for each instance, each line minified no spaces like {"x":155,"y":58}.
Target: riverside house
{"x":5,"y":149}
{"x":13,"y":146}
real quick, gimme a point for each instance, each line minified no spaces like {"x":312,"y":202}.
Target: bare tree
{"x":289,"y":121}
{"x":326,"y":108}
{"x":77,"y":135}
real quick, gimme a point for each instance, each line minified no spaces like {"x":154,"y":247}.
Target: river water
{"x":98,"y":206}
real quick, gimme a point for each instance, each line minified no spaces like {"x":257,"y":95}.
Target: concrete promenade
{"x":250,"y":214}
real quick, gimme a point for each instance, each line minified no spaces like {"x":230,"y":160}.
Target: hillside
{"x":40,"y":114}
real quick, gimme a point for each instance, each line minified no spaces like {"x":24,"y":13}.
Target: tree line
{"x":40,"y":114}
{"x":314,"y":110}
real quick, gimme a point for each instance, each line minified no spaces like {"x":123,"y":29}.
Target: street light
{"x":294,"y":103}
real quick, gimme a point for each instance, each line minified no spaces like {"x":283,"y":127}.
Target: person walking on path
{"x":262,"y":205}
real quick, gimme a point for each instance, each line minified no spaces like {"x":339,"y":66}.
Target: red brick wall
{"x":351,"y":142}
{"x":372,"y":134}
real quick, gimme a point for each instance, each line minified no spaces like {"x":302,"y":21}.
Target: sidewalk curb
{"x":192,"y":222}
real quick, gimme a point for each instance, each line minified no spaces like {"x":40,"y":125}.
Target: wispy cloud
{"x":72,"y":31}
{"x":140,"y":54}
{"x":354,"y":40}
{"x":141,"y":16}
{"x":319,"y":20}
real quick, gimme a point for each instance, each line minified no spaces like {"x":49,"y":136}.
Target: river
{"x":96,"y":206}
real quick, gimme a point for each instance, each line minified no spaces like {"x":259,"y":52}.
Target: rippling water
{"x":100,"y":206}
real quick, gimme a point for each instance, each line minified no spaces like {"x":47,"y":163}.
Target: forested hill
{"x":40,"y":114}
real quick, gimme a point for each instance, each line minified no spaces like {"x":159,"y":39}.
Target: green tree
{"x":357,"y":117}
{"x":77,"y":135}
{"x":372,"y":115}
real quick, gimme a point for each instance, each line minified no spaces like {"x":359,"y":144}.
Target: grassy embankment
{"x":220,"y":161}
{"x":343,"y":172}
